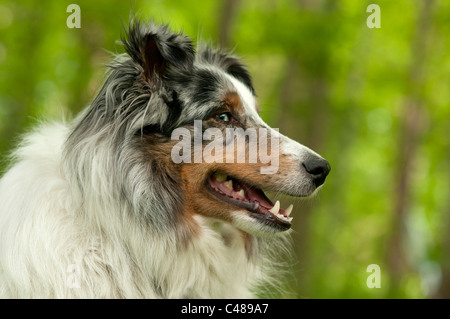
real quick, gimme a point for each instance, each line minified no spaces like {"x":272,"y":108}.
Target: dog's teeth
{"x":229,"y":184}
{"x":275,"y":208}
{"x":289,"y":210}
{"x":220,"y":177}
{"x":241,"y":193}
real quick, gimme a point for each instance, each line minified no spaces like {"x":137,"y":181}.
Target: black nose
{"x":318,"y":168}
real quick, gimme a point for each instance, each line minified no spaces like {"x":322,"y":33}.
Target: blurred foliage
{"x":374,"y":102}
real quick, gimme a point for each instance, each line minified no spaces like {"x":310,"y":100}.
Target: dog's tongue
{"x":241,"y":191}
{"x":255,"y":194}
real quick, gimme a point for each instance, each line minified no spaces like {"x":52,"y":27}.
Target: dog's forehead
{"x":209,"y":87}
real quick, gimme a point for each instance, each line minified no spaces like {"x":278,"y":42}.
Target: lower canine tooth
{"x":275,"y":208}
{"x":241,"y":193}
{"x":289,"y":210}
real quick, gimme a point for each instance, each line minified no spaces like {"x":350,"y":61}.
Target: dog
{"x":98,"y":208}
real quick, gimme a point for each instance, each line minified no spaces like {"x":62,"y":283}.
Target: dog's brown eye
{"x":225,"y":117}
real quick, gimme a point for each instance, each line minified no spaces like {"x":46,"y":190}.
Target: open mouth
{"x":251,"y":198}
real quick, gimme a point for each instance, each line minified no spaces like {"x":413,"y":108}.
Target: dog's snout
{"x":318,"y":168}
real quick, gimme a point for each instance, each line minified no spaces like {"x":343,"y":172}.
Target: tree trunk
{"x":227,"y":14}
{"x":413,"y":115}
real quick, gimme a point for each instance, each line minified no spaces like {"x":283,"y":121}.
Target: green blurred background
{"x":374,"y":102}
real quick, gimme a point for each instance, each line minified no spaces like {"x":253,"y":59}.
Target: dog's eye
{"x":225,"y":117}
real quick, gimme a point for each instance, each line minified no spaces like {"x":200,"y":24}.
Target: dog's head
{"x":188,"y":122}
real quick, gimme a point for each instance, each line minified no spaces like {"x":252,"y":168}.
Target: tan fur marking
{"x":233,"y":101}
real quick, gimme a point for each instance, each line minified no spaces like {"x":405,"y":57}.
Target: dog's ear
{"x":155,"y":48}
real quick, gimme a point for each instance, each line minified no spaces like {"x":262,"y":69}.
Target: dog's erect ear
{"x":155,"y":48}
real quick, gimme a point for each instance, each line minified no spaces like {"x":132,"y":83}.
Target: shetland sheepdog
{"x":99,"y":208}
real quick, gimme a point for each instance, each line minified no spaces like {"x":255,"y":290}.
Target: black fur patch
{"x":206,"y":86}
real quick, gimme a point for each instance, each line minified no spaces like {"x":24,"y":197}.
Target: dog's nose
{"x":318,"y":168}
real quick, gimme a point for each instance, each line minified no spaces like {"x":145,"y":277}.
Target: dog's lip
{"x":254,"y":201}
